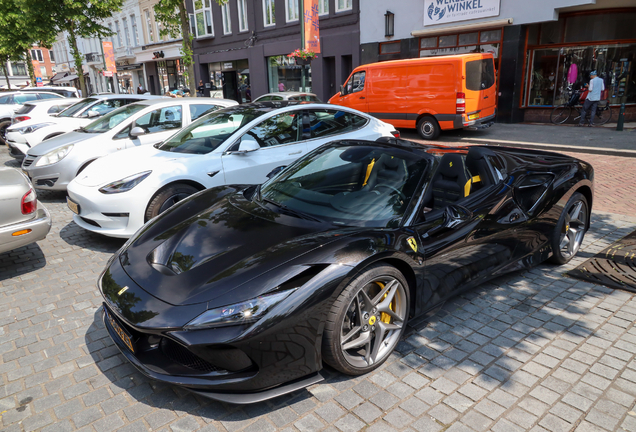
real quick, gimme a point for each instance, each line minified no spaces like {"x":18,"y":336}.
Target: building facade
{"x":241,"y":48}
{"x":543,"y":49}
{"x":18,"y":74}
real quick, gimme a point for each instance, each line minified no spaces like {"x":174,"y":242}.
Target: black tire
{"x":4,"y":125}
{"x":380,"y":331}
{"x":560,"y":114}
{"x":167,"y":197}
{"x":603,"y":115}
{"x":570,"y":229}
{"x":428,"y":128}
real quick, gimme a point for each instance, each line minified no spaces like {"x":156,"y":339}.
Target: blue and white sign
{"x":447,"y":11}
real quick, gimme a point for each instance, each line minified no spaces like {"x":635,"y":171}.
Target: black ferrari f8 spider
{"x":242,"y":292}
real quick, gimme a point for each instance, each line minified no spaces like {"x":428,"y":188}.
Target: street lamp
{"x":389,"y":23}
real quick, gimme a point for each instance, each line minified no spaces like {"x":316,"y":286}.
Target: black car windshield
{"x":76,"y":108}
{"x":210,"y":131}
{"x":350,"y":184}
{"x":112,"y":119}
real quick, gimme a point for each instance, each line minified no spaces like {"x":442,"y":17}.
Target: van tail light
{"x":29,"y":203}
{"x":395,"y":133}
{"x":19,"y":119}
{"x":461,"y":103}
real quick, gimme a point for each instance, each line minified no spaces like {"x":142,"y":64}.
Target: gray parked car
{"x":22,"y":220}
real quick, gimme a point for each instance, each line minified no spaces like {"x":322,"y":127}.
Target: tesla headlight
{"x":32,"y":128}
{"x":54,"y":156}
{"x":239,"y":313}
{"x":124,"y":184}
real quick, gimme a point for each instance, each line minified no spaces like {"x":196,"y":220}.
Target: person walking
{"x":200,"y":89}
{"x":596,"y":86}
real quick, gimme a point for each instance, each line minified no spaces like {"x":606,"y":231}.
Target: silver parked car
{"x":288,"y":95}
{"x":22,"y":220}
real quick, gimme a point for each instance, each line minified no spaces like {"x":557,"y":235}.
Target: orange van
{"x":430,"y":94}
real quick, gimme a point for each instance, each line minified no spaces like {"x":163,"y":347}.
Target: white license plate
{"x":72,"y":205}
{"x":473,"y":116}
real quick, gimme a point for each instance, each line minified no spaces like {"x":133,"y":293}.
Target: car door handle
{"x":295,"y":153}
{"x":362,"y":97}
{"x":485,"y":97}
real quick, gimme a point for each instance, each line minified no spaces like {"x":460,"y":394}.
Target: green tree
{"x":78,"y":18}
{"x":174,"y":17}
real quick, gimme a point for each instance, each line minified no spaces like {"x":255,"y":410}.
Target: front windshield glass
{"x":210,"y":131}
{"x":345,"y":184}
{"x":112,"y":119}
{"x":77,"y":107}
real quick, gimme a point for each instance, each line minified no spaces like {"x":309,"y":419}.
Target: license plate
{"x":125,"y":337}
{"x":72,"y":205}
{"x":473,"y":116}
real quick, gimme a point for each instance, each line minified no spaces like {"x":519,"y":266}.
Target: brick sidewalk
{"x":532,"y":350}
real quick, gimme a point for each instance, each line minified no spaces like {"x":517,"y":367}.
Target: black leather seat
{"x":479,"y":167}
{"x":386,"y":171}
{"x":449,"y":182}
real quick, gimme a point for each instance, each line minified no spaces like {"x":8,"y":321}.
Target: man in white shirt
{"x":596,"y":86}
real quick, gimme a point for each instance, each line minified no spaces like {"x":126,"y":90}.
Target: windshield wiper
{"x":291,"y":211}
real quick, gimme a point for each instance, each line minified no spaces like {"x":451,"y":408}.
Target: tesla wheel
{"x":560,"y":114}
{"x":3,"y":130}
{"x":570,"y":230}
{"x":428,"y":128}
{"x":168,"y":197}
{"x":366,"y":321}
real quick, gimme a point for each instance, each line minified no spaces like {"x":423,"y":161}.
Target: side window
{"x":280,"y":129}
{"x":276,"y":98}
{"x":20,"y":99}
{"x":104,"y":107}
{"x":356,"y":83}
{"x":124,"y":133}
{"x":48,"y":96}
{"x":5,"y":100}
{"x":161,"y":119}
{"x":265,"y":99}
{"x":56,"y":109}
{"x":197,"y":111}
{"x":325,"y":122}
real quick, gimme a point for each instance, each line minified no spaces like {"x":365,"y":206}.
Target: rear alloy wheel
{"x":366,"y":321}
{"x":168,"y":197}
{"x":570,"y":230}
{"x":428,"y":128}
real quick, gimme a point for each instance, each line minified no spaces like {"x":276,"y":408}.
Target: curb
{"x":551,"y":147}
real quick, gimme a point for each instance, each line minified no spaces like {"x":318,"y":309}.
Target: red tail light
{"x":21,"y":118}
{"x":29,"y":202}
{"x":395,"y":133}
{"x":461,"y":103}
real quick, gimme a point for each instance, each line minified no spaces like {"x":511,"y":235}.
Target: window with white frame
{"x":291,"y":10}
{"x":43,"y":71}
{"x":36,"y":54}
{"x":242,"y":15}
{"x":323,"y":7}
{"x":159,"y":27}
{"x":52,"y":55}
{"x":135,"y":33}
{"x":227,"y":22}
{"x":344,"y":5}
{"x":202,"y":18}
{"x":269,"y":13}
{"x":118,"y":31}
{"x":151,"y":37}
{"x":110,"y":27}
{"x":124,"y":22}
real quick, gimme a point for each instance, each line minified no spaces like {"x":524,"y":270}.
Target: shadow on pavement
{"x":75,"y":235}
{"x":21,"y":261}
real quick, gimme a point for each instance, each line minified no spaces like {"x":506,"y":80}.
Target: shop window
{"x":550,"y":33}
{"x":323,"y":7}
{"x":285,"y":75}
{"x":291,"y":10}
{"x":269,"y":13}
{"x":533,"y":34}
{"x":202,"y":18}
{"x":225,"y":15}
{"x":242,"y":15}
{"x":429,"y":42}
{"x":448,"y":41}
{"x":343,"y":5}
{"x":490,"y":36}
{"x":469,"y":38}
{"x":390,"y":47}
{"x":600,"y":27}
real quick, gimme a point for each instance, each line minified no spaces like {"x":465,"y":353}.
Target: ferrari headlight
{"x":124,"y":184}
{"x":31,"y":128}
{"x":239,"y":313}
{"x":54,"y":156}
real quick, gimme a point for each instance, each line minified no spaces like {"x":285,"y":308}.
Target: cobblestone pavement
{"x":533,"y":350}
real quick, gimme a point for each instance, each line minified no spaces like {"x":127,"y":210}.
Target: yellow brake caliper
{"x":385,"y":317}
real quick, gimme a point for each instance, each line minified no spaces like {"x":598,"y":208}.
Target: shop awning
{"x":68,"y":78}
{"x":462,"y":28}
{"x":58,"y":76}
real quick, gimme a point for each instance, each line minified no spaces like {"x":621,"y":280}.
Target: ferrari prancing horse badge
{"x":411,"y":241}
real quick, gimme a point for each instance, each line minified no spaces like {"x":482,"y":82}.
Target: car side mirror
{"x":137,"y":131}
{"x":276,"y":171}
{"x":92,"y":114}
{"x":248,"y":145}
{"x":342,"y":90}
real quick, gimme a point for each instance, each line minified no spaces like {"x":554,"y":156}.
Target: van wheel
{"x":428,"y":128}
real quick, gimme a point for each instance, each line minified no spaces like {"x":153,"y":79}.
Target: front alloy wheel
{"x":571,"y":229}
{"x":367,"y":320}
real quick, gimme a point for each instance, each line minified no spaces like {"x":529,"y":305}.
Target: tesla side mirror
{"x":275,"y":171}
{"x":248,"y":145}
{"x":137,"y":131}
{"x":92,"y":114}
{"x":456,"y":214}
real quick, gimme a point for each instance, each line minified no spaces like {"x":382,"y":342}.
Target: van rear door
{"x":480,"y":88}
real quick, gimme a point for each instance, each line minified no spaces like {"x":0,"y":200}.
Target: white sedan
{"x":118,"y":193}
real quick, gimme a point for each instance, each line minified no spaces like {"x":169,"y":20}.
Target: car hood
{"x":215,"y":242}
{"x":122,"y":164}
{"x":60,"y":141}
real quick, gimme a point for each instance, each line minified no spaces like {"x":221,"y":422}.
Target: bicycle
{"x":562,"y":113}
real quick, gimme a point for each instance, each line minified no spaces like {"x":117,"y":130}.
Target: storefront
{"x":283,"y":74}
{"x":230,"y":80}
{"x":129,"y":76}
{"x":162,"y":67}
